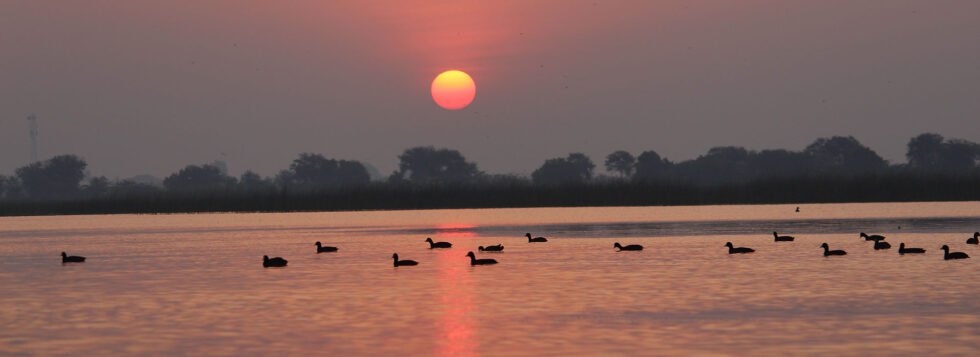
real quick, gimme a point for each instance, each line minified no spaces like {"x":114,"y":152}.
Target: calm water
{"x":194,"y":284}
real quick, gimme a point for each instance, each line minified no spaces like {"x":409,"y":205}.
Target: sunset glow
{"x":453,"y":90}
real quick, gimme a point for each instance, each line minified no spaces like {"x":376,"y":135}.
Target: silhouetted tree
{"x":720,"y":165}
{"x":58,"y":177}
{"x":96,"y":187}
{"x":621,"y":162}
{"x":931,"y":153}
{"x":650,"y":166}
{"x":576,"y":168}
{"x":251,"y":181}
{"x":426,"y":164}
{"x":198,"y":178}
{"x":843,"y":155}
{"x":313,"y":171}
{"x":130,"y":188}
{"x":780,"y":163}
{"x":10,"y":188}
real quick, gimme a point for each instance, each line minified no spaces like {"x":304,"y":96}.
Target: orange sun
{"x":453,"y":89}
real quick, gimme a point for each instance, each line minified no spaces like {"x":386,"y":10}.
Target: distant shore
{"x":385,"y":196}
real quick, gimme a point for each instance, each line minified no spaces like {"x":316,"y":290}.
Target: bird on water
{"x":879,"y":244}
{"x":65,"y":258}
{"x":903,"y":250}
{"x":492,"y":248}
{"x":620,"y":248}
{"x":780,"y":238}
{"x":872,"y":237}
{"x":474,"y":261}
{"x":438,"y":244}
{"x":274,"y":262}
{"x":827,"y":252}
{"x":535,"y":239}
{"x":733,"y":250}
{"x":321,"y":249}
{"x":405,"y":262}
{"x":954,"y":255}
{"x":976,"y":236}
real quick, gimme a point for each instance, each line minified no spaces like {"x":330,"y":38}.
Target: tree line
{"x":445,"y":178}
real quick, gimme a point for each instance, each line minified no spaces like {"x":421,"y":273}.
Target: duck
{"x":628,"y":247}
{"x":322,"y":249}
{"x":65,"y":258}
{"x":973,"y":240}
{"x":405,"y":262}
{"x":882,"y":245}
{"x":438,"y":244}
{"x":492,"y":248}
{"x":474,"y":261}
{"x":828,"y":252}
{"x":780,"y":238}
{"x":954,"y":255}
{"x":536,"y":239}
{"x":733,"y":250}
{"x":274,"y":262}
{"x":903,"y":250}
{"x":872,"y":237}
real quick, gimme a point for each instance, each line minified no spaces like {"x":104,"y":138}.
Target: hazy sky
{"x":150,"y":86}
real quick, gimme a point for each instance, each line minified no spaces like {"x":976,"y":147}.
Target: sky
{"x":148,"y":87}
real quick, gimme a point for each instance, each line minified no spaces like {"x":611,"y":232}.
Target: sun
{"x":453,"y":89}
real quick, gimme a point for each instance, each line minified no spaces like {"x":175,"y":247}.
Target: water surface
{"x":194,"y":284}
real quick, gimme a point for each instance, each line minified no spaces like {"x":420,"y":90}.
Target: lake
{"x":193,"y":284}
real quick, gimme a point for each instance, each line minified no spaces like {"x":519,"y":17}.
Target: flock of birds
{"x":879,"y":243}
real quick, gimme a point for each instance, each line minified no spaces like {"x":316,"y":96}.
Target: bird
{"x":274,"y":262}
{"x":882,"y":245}
{"x":974,"y":239}
{"x":797,"y":209}
{"x":733,"y":250}
{"x":872,"y":237}
{"x":828,"y":252}
{"x":536,"y":239}
{"x":780,"y":238}
{"x":628,"y":247}
{"x":474,"y":261}
{"x":954,"y":255}
{"x":65,"y":258}
{"x":492,"y":248}
{"x":903,"y":250}
{"x":322,"y":249}
{"x":405,"y":262}
{"x":438,"y":244}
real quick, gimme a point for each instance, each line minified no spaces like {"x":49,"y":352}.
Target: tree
{"x":10,"y":188}
{"x":96,"y":187}
{"x":930,"y":152}
{"x":251,"y":181}
{"x":843,"y":155}
{"x":313,"y":171}
{"x":650,"y":166}
{"x":575,"y":169}
{"x":426,"y":164}
{"x":198,"y":178}
{"x":58,"y":177}
{"x":621,"y":162}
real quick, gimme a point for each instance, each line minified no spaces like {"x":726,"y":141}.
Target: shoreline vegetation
{"x":830,"y":170}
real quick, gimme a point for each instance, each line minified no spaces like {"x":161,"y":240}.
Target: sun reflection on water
{"x":457,"y":328}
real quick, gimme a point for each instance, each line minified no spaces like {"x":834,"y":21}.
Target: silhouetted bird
{"x":954,"y":255}
{"x":536,"y":239}
{"x":828,"y":252}
{"x":879,"y":245}
{"x":733,"y":250}
{"x":872,"y":237}
{"x":274,"y":262}
{"x":797,"y":209}
{"x":438,"y":244}
{"x":974,"y":239}
{"x":492,"y":248}
{"x":780,"y":238}
{"x":406,"y":262}
{"x":474,"y":261}
{"x":628,"y":247}
{"x":322,"y":249}
{"x":65,"y":258}
{"x":903,"y":250}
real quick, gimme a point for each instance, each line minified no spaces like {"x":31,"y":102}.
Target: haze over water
{"x":194,"y":284}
